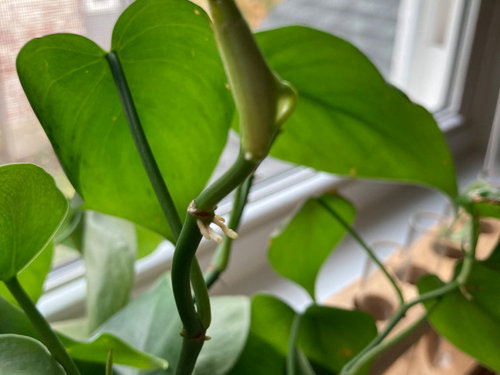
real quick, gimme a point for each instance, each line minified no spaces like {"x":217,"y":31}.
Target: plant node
{"x":205,"y":218}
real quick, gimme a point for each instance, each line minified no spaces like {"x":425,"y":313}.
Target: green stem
{"x":195,"y":328}
{"x":190,"y":237}
{"x":220,"y":259}
{"x":189,"y":353}
{"x":376,"y":346}
{"x":368,"y":250}
{"x":141,"y":142}
{"x":292,"y":350}
{"x":200,"y":290}
{"x":263,"y":100}
{"x":234,"y":176}
{"x":383,"y":346}
{"x":398,"y":315}
{"x":48,"y":336}
{"x":471,"y":254}
{"x":109,"y":363}
{"x":187,"y":244}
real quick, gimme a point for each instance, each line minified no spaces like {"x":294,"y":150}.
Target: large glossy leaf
{"x":267,"y":345}
{"x":94,"y":349}
{"x":349,"y":121}
{"x":177,"y":82}
{"x":298,"y":251}
{"x":25,"y":355}
{"x":32,"y":277}
{"x":32,"y":208}
{"x":470,"y":317}
{"x":330,"y":337}
{"x":151,"y":323}
{"x":109,"y":252}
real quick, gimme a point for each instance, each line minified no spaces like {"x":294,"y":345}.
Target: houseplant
{"x":138,"y":131}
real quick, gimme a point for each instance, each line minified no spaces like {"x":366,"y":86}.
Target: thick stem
{"x":234,"y":176}
{"x":368,"y":250}
{"x":48,"y":336}
{"x":187,"y":244}
{"x":189,"y":353}
{"x":264,"y":101}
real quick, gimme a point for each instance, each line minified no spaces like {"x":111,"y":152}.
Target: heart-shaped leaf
{"x":349,"y":121}
{"x":330,"y":337}
{"x":151,"y":323}
{"x":25,"y":355}
{"x":170,"y":61}
{"x":470,"y":317}
{"x":32,"y":208}
{"x":298,"y":251}
{"x":32,"y":277}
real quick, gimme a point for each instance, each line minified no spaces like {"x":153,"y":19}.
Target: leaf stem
{"x":48,"y":336}
{"x":376,"y":350}
{"x":368,"y":250}
{"x":220,"y":259}
{"x":197,"y":324}
{"x":398,"y":315}
{"x":109,"y":363}
{"x":292,"y":350}
{"x":200,"y":290}
{"x":141,"y":142}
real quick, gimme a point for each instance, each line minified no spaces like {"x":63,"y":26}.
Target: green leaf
{"x":33,"y":276}
{"x":151,"y":323}
{"x":14,"y":321}
{"x":172,"y":67}
{"x":298,"y":251}
{"x":110,"y":250}
{"x":147,"y":241}
{"x":330,"y":337}
{"x":472,"y":321}
{"x":32,"y":209}
{"x":349,"y":121}
{"x":25,"y":355}
{"x":267,"y":345}
{"x":92,"y":350}
{"x":96,"y":350}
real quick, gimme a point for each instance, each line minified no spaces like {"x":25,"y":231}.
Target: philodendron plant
{"x":138,"y":131}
